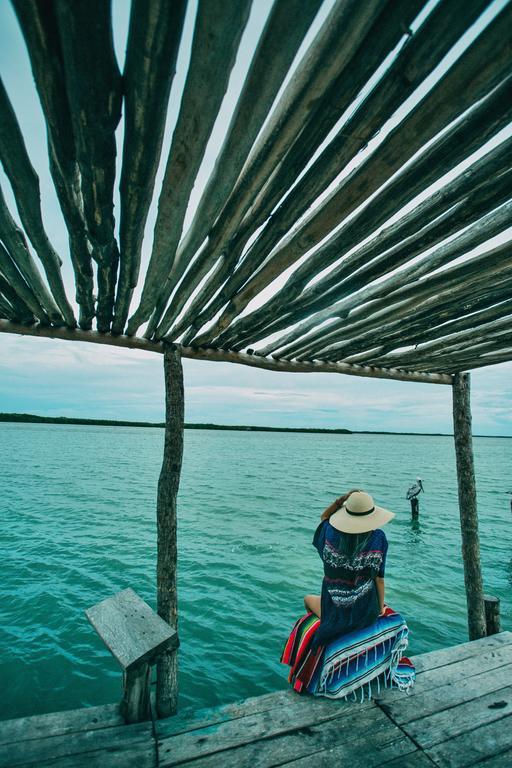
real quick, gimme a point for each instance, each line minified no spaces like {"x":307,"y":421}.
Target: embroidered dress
{"x":349,"y":594}
{"x":351,"y":648}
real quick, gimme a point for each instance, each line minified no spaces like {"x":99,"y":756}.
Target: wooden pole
{"x":168,"y":484}
{"x":135,"y":706}
{"x":467,"y":505}
{"x":492,"y":614}
{"x":221,"y":355}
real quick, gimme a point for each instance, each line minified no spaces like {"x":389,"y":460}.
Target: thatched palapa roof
{"x":361,"y":181}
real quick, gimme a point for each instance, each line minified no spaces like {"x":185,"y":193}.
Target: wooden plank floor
{"x":458,"y":714}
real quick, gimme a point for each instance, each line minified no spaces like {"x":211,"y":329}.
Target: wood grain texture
{"x":93,"y":87}
{"x":461,"y":281}
{"x":437,"y":688}
{"x":259,"y":215}
{"x":261,"y":726}
{"x":136,"y":705}
{"x":456,"y":91}
{"x":485,"y":741}
{"x":59,"y":723}
{"x":475,"y":318}
{"x":13,"y":238}
{"x":450,"y":666}
{"x":38,"y":23}
{"x":465,"y":340}
{"x":10,"y":271}
{"x":6,"y":308}
{"x":343,"y":738}
{"x":168,"y":484}
{"x":349,"y":21}
{"x":140,"y":754}
{"x":443,"y":726}
{"x":117,"y":742}
{"x":299,"y":127}
{"x":17,"y":309}
{"x":204,"y":718}
{"x":131,"y":630}
{"x":446,"y":656}
{"x":152,"y":49}
{"x":492,"y":615}
{"x":482,"y":189}
{"x":468,"y":505}
{"x":219,"y":27}
{"x":25,"y":184}
{"x":444,"y":307}
{"x":279,"y":43}
{"x":225,"y":356}
{"x":458,"y":713}
{"x":417,"y":57}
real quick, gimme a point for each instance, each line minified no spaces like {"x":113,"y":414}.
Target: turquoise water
{"x":77,"y":508}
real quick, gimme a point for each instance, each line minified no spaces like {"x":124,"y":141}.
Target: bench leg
{"x":135,"y":705}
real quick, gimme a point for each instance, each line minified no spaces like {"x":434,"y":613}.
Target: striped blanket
{"x":351,"y":662}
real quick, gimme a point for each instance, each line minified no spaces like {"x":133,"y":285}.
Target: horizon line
{"x":30,"y":418}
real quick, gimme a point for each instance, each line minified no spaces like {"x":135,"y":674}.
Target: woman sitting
{"x":349,"y":637}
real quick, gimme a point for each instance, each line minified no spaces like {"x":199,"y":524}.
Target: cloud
{"x":64,"y":378}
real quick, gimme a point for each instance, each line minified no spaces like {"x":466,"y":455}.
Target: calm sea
{"x":77,"y":507}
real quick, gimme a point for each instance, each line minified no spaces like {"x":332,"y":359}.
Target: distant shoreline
{"x":30,"y":418}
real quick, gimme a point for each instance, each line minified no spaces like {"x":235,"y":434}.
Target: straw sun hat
{"x":359,"y":514}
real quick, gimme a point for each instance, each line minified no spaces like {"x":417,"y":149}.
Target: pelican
{"x":415,"y":489}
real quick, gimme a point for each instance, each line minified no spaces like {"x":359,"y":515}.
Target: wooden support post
{"x":467,"y":505}
{"x":168,"y":484}
{"x":135,"y":706}
{"x":492,"y":614}
{"x":415,"y":508}
{"x":136,"y":636}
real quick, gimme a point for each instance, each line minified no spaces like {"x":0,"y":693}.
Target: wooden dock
{"x":458,"y":714}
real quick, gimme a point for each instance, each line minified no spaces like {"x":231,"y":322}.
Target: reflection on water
{"x":415,"y":536}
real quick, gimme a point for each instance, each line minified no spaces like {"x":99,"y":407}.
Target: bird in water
{"x":415,"y":489}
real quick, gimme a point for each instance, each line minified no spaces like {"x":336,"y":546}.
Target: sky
{"x":51,"y":377}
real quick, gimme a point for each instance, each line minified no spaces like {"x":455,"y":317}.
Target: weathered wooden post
{"x":467,"y":505}
{"x":168,"y":484}
{"x":492,"y":614}
{"x":136,"y":636}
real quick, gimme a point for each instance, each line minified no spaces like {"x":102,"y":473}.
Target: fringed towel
{"x":353,"y":661}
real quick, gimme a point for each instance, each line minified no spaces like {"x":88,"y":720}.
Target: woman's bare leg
{"x":312,"y":603}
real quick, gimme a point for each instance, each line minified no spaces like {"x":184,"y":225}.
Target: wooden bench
{"x":136,"y":636}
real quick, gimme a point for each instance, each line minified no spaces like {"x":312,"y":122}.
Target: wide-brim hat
{"x":360,"y":514}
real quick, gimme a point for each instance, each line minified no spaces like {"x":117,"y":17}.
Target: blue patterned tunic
{"x":349,"y":594}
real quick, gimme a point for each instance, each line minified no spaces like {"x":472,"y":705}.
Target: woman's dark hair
{"x":351,"y":544}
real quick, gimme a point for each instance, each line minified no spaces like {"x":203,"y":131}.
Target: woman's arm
{"x":379,"y":583}
{"x":332,"y":508}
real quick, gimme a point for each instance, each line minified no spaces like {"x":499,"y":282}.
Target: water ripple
{"x":78,"y":522}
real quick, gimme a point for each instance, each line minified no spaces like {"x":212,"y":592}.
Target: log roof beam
{"x":151,"y":53}
{"x":335,"y":74}
{"x":25,"y":185}
{"x":279,"y":43}
{"x":365,"y":175}
{"x":93,"y":88}
{"x":215,"y":355}
{"x":217,"y":34}
{"x":480,"y":68}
